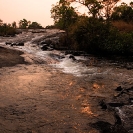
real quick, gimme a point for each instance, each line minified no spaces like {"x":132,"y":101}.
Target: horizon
{"x":31,"y":10}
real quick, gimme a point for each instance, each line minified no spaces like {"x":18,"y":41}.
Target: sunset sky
{"x":33,"y":10}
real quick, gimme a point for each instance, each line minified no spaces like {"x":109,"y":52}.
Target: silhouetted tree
{"x":63,"y":14}
{"x":14,"y":25}
{"x":123,"y":12}
{"x":35,"y":25}
{"x":24,"y":24}
{"x":98,"y":8}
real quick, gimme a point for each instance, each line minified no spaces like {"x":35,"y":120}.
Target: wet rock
{"x":57,"y":57}
{"x":106,"y":127}
{"x":119,"y":88}
{"x":117,"y":119}
{"x":20,"y":44}
{"x":13,"y":44}
{"x":17,"y":44}
{"x":130,"y":89}
{"x":75,"y":53}
{"x":103,"y":105}
{"x":113,"y":104}
{"x":44,"y":47}
{"x":62,"y":48}
{"x":46,"y":42}
{"x":130,"y":131}
{"x":131,"y":100}
{"x":8,"y":43}
{"x":72,"y":57}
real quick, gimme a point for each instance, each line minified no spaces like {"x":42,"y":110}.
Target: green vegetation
{"x":7,"y":29}
{"x":10,"y":29}
{"x":63,"y":15}
{"x":25,"y":24}
{"x":107,"y":28}
{"x":35,"y":25}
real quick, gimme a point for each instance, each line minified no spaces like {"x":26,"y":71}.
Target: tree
{"x":108,"y":7}
{"x":35,"y":25}
{"x":123,"y":12}
{"x":1,"y":22}
{"x":14,"y":25}
{"x":98,"y":8}
{"x":93,"y":7}
{"x":23,"y":23}
{"x":63,"y":14}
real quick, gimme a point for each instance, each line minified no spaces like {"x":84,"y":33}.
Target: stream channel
{"x":111,"y":80}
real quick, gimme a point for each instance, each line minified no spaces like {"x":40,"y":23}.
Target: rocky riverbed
{"x":47,"y":92}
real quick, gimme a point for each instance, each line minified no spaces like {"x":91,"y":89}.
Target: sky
{"x":32,"y":10}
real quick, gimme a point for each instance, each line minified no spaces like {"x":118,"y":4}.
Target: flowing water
{"x":100,"y":72}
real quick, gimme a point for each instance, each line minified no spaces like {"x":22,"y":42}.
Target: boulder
{"x":17,"y":44}
{"x":8,"y":43}
{"x":20,"y":44}
{"x":44,"y":48}
{"x":75,"y":53}
{"x":72,"y":57}
{"x":48,"y":42}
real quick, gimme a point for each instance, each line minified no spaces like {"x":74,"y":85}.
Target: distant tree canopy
{"x":6,"y":29}
{"x":10,"y":29}
{"x":35,"y":25}
{"x":24,"y":24}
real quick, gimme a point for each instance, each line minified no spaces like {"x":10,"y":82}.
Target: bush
{"x":7,"y":30}
{"x":97,"y":36}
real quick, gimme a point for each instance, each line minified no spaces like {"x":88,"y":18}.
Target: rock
{"x":17,"y":44}
{"x":8,"y":43}
{"x":48,"y":42}
{"x":130,"y":131}
{"x":20,"y":44}
{"x":103,"y":105}
{"x":61,"y":48}
{"x":57,"y":57}
{"x":72,"y":57}
{"x":130,"y":89}
{"x":116,"y":104}
{"x":119,"y":88}
{"x":13,"y":44}
{"x":117,"y":119}
{"x":75,"y":53}
{"x":106,"y":127}
{"x":45,"y":47}
{"x":131,"y":100}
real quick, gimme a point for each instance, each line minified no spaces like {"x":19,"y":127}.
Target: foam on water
{"x":69,"y":66}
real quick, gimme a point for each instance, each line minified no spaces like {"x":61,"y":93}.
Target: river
{"x":107,"y":85}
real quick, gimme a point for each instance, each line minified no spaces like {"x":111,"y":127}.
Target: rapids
{"x":101,"y":72}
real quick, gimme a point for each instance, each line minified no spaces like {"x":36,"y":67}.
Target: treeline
{"x":10,"y":29}
{"x":106,"y":29}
